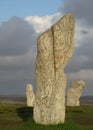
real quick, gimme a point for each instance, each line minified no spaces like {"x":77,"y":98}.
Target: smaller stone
{"x":74,"y":93}
{"x":78,"y":103}
{"x":30,"y":95}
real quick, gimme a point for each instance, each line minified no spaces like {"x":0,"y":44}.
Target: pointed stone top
{"x":66,"y":16}
{"x":78,"y":82}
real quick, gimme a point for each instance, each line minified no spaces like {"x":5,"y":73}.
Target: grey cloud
{"x":86,"y":48}
{"x":16,"y":87}
{"x":16,"y":37}
{"x":81,"y":8}
{"x":84,"y":32}
{"x":17,"y":56}
{"x":13,"y":82}
{"x":14,"y":77}
{"x":82,"y":57}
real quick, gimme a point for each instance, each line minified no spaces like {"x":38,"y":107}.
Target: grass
{"x":82,"y":115}
{"x":20,"y":118}
{"x":31,"y":125}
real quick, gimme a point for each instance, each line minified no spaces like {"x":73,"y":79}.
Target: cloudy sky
{"x":21,"y":22}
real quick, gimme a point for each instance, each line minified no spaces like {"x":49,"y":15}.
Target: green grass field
{"x":21,"y":118}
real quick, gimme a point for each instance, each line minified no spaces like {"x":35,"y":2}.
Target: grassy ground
{"x":82,"y":115}
{"x":20,"y":118}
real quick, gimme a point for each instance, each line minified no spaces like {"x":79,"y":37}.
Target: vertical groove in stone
{"x":53,"y":51}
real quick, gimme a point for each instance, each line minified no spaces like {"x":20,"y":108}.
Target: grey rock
{"x":74,"y":93}
{"x":54,"y":49}
{"x":30,"y":97}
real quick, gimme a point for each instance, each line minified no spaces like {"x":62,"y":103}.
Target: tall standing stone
{"x":30,"y":97}
{"x":74,"y":93}
{"x":55,"y":47}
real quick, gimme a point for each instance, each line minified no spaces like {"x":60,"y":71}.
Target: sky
{"x":22,"y":21}
{"x":23,"y":8}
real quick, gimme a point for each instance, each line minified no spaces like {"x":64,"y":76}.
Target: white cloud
{"x":40,"y":24}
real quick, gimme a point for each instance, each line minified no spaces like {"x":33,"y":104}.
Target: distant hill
{"x":21,"y":100}
{"x":86,"y":100}
{"x":12,"y":100}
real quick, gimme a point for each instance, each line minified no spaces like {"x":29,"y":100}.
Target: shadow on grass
{"x":25,"y":113}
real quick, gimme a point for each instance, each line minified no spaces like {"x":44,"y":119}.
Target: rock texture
{"x":55,"y":47}
{"x":74,"y":93}
{"x":30,"y":95}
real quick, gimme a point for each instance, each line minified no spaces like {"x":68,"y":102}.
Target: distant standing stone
{"x":54,"y":49}
{"x":74,"y":93}
{"x":30,"y":97}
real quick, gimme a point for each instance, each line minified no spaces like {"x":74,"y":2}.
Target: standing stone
{"x":55,"y":47}
{"x":74,"y":93}
{"x":30,"y":95}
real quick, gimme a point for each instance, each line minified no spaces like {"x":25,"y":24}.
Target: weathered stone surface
{"x":55,"y":47}
{"x":74,"y":93}
{"x":30,"y":95}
